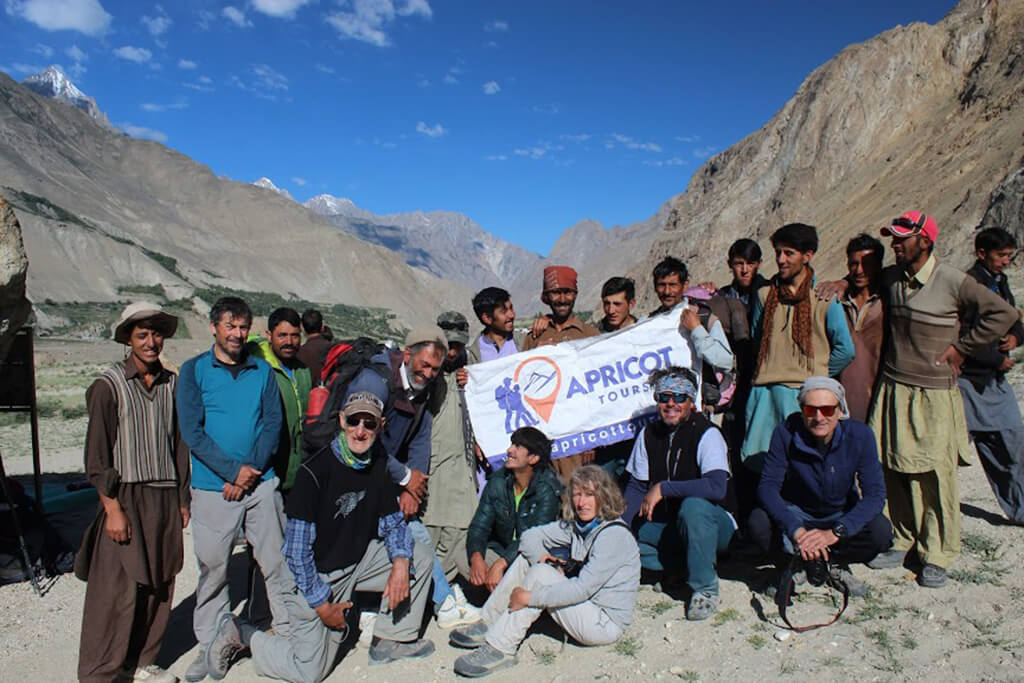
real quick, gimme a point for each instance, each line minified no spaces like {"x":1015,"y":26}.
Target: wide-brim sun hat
{"x":165,"y":323}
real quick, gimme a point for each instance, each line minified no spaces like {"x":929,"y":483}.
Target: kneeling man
{"x":345,"y":533}
{"x":809,"y":486}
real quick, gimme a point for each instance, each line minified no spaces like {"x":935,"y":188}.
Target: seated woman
{"x":590,"y":594}
{"x":522,"y":494}
{"x":817,"y":462}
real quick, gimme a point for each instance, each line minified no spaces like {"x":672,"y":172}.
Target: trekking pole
{"x":17,"y":529}
{"x":469,"y":441}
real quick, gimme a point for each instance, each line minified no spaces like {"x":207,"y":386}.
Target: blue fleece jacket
{"x":228,"y":421}
{"x":795,"y":472}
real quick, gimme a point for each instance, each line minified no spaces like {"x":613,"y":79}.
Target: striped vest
{"x":144,"y":446}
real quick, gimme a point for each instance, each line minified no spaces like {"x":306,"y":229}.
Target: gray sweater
{"x":609,"y":578}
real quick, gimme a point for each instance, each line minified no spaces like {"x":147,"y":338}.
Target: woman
{"x":590,"y":593}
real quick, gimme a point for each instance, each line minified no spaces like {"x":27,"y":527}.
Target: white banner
{"x":581,"y":394}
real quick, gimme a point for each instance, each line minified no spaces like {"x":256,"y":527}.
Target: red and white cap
{"x":912,"y":223}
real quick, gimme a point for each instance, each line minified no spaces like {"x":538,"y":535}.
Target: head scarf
{"x":676,"y":384}
{"x":828,"y":384}
{"x":559,"y":277}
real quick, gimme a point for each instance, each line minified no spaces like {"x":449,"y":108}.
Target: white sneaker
{"x":456,"y":611}
{"x":366,"y":621}
{"x":154,"y":674}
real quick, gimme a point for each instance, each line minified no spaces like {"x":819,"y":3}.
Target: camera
{"x":817,"y":572}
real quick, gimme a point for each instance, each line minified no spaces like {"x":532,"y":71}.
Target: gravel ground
{"x":972,"y":629}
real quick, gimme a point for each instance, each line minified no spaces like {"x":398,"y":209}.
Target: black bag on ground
{"x":342,"y":362}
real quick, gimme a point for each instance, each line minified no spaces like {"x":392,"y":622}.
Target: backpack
{"x":342,"y":362}
{"x":716,"y":388}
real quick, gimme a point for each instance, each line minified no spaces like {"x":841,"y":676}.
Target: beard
{"x":453,"y":364}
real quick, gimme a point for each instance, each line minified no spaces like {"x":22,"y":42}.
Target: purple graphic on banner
{"x":584,"y":441}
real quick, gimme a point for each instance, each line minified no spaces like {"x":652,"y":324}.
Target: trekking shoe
{"x":483,"y":661}
{"x":890,"y":559}
{"x":197,"y":670}
{"x":702,"y":605}
{"x":451,"y":614}
{"x":385,"y":651}
{"x":470,"y":636}
{"x":932,"y":576}
{"x":154,"y":674}
{"x":227,"y":642}
{"x":857,"y":588}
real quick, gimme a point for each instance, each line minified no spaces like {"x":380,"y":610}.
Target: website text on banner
{"x":581,"y":394}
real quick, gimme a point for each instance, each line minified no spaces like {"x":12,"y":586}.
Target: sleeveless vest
{"x":145,"y":442}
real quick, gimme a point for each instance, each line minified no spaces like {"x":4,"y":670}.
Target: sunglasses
{"x":666,"y":396}
{"x":826,"y":411}
{"x":464,"y":327}
{"x":369,"y":423}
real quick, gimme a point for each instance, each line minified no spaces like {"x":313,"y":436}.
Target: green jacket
{"x":498,"y":525}
{"x":294,"y":391}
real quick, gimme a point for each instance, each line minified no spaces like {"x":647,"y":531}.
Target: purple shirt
{"x":489,"y":350}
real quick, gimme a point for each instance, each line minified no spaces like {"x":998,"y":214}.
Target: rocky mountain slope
{"x":103,"y":213}
{"x":920,"y":117}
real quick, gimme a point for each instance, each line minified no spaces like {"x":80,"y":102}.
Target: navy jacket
{"x":795,"y":473}
{"x":982,"y":365}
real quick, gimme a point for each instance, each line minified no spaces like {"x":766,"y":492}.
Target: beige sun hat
{"x":143,"y":310}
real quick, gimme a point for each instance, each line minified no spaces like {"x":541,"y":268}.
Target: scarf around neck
{"x":340,"y":448}
{"x":800,"y":327}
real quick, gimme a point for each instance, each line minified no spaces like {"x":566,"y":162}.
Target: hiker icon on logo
{"x":510,"y":399}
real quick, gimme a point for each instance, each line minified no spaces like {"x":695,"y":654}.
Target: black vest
{"x":681,"y":463}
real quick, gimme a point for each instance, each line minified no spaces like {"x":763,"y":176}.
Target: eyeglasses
{"x":811,"y":411}
{"x":369,"y":423}
{"x":666,"y":396}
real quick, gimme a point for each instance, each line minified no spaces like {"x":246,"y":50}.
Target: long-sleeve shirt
{"x":228,"y":419}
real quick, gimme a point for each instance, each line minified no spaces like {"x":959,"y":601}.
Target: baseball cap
{"x":912,"y":223}
{"x":363,"y":402}
{"x":426,"y":334}
{"x":455,"y":326}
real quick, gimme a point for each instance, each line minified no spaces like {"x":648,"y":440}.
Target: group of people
{"x":822,"y":421}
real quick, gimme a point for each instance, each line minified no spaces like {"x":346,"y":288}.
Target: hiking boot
{"x":702,"y":605}
{"x":452,"y":613}
{"x":483,"y":661}
{"x":857,"y":588}
{"x":196,"y":671}
{"x":154,"y":674}
{"x":890,"y":559}
{"x":932,"y":576}
{"x":227,"y":642}
{"x":386,"y":651}
{"x":470,"y":636}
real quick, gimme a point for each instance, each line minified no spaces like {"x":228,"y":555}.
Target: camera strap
{"x":786,"y":589}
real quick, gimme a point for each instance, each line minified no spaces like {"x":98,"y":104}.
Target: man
{"x":865,"y":320}
{"x":918,"y":415}
{"x":670,"y":280}
{"x":797,"y":336}
{"x":523,"y":494}
{"x":618,"y":297}
{"x":135,"y":459}
{"x":679,"y":498}
{"x":280,"y":351}
{"x":494,"y":310}
{"x":448,"y":509}
{"x":744,"y":261}
{"x":559,"y":294}
{"x":345,"y":534}
{"x":822,"y":487}
{"x":993,"y":415}
{"x":318,"y":340}
{"x":229,"y":408}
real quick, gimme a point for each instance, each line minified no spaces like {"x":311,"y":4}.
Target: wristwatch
{"x":840,"y":530}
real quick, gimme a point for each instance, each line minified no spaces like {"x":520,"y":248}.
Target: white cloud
{"x":298,"y":180}
{"x":423,"y":82}
{"x":201,"y":87}
{"x":531,"y":152}
{"x":491,"y":88}
{"x":324,"y":68}
{"x":450,"y":79}
{"x":76,"y":53}
{"x":279,"y":8}
{"x":236,"y":16}
{"x":269,"y":79}
{"x":688,"y":138}
{"x":180,"y":103}
{"x":143,"y":132}
{"x":84,"y":16}
{"x":45,"y":50}
{"x":158,"y":25}
{"x":496,"y":26}
{"x":632,"y":143}
{"x":206,"y":80}
{"x":582,"y":137}
{"x":673,"y":161}
{"x":550,"y":109}
{"x":496,"y":157}
{"x":21,"y":68}
{"x":367,"y":20}
{"x":435,"y":131}
{"x":139,"y":55}
{"x":704,"y":152}
{"x":186,"y":64}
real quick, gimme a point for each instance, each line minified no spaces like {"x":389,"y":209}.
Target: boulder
{"x":14,"y":307}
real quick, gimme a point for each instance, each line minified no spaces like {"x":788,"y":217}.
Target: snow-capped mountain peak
{"x":268,"y":184}
{"x":51,"y":82}
{"x":329,"y":205}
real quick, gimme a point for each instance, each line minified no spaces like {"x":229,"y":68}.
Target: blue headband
{"x":675,"y":384}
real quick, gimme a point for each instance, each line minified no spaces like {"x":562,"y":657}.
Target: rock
{"x":783,"y":636}
{"x":1006,"y":206}
{"x":14,"y":307}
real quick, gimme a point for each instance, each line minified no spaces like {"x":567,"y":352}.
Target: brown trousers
{"x":123,"y":622}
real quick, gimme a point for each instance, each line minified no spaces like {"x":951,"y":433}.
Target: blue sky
{"x":526,"y":116}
